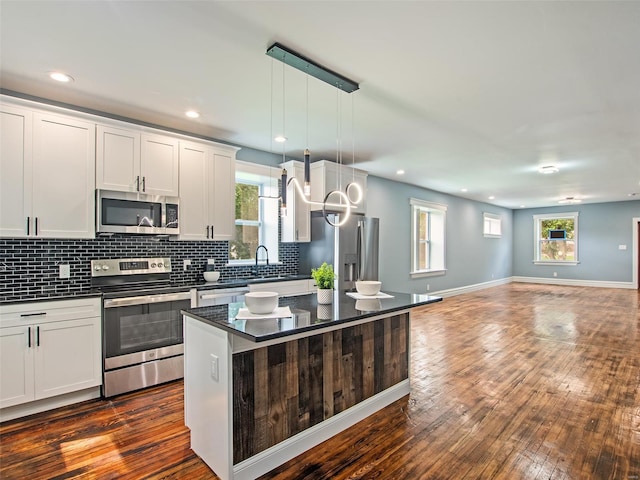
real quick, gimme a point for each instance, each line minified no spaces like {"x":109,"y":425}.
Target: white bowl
{"x":261,"y":302}
{"x":368,"y":287}
{"x":211,"y":276}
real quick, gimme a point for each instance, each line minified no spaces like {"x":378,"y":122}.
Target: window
{"x":492,"y":225}
{"x":256,"y":218}
{"x":427,"y":238}
{"x":556,"y":238}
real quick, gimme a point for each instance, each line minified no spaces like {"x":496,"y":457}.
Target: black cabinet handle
{"x":207,"y":231}
{"x":211,"y":232}
{"x":36,"y":228}
{"x":39,"y":314}
{"x":29,"y":339}
{"x":28,"y":224}
{"x":37,"y":336}
{"x":144,"y":189}
{"x":138,"y":183}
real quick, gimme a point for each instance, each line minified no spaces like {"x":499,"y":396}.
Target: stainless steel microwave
{"x":122,"y":212}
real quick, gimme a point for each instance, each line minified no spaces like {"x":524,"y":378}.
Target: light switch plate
{"x":622,"y":247}
{"x":65,"y":270}
{"x":214,"y":368}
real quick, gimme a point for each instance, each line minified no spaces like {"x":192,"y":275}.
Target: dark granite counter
{"x":307,"y":315}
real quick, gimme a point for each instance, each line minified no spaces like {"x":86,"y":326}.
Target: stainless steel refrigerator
{"x":352,"y":248}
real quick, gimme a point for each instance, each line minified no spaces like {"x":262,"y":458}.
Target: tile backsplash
{"x":29,"y":268}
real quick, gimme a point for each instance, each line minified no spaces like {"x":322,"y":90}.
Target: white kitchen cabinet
{"x":207,"y":191}
{"x":49,"y":349}
{"x":296,"y":225}
{"x":48,"y":175}
{"x":328,"y":176}
{"x":131,"y":161}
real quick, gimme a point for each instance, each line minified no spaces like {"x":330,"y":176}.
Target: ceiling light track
{"x":312,"y":68}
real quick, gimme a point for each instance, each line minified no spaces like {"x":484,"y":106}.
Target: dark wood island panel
{"x":283,"y":389}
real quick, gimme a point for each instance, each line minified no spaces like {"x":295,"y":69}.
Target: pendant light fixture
{"x":343,"y":203}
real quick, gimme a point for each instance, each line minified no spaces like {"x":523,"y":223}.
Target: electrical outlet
{"x":622,"y":247}
{"x":555,"y":274}
{"x":428,"y":287}
{"x":185,"y":264}
{"x":64,"y":270}
{"x":214,"y":367}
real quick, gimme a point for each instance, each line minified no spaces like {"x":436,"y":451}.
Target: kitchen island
{"x":259,"y":392}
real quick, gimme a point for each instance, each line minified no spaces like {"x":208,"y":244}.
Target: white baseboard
{"x":574,"y":283}
{"x":284,"y":451}
{"x":37,"y":406}
{"x":470,"y":288}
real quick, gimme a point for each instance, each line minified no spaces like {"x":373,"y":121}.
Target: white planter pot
{"x":325,"y":296}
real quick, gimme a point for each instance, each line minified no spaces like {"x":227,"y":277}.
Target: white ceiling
{"x":473,"y":95}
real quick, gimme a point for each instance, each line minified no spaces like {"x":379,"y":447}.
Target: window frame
{"x":268,"y":230}
{"x":492,"y":219}
{"x":416,"y":207}
{"x":537,"y":227}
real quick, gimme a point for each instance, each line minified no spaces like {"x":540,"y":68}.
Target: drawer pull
{"x":29,"y":338}
{"x":39,"y":314}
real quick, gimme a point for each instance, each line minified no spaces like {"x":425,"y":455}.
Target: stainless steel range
{"x":142,"y":324}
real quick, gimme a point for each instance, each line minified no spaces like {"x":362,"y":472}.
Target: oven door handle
{"x":146,"y":299}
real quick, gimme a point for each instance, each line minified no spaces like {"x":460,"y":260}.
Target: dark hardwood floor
{"x":520,"y":381}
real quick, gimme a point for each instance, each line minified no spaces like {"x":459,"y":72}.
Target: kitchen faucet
{"x":266,"y":251}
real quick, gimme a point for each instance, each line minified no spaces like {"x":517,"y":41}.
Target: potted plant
{"x":324,"y":276}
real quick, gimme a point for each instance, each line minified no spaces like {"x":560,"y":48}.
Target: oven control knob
{"x":105,"y":267}
{"x":97,"y":268}
{"x":160,"y":264}
{"x":153,"y":265}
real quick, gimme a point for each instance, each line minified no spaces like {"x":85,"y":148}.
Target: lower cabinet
{"x":49,"y":349}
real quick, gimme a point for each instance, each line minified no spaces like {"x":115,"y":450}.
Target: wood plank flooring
{"x":520,"y":381}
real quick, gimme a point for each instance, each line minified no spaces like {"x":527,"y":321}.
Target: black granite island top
{"x":307,"y":314}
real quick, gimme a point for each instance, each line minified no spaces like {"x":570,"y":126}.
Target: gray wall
{"x":470,"y":257}
{"x":601,"y":228}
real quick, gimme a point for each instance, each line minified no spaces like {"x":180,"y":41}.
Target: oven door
{"x":143,"y":328}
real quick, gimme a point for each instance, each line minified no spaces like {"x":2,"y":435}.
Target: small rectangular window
{"x":492,"y":225}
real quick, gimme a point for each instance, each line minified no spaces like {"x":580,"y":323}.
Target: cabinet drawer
{"x":285,"y":289}
{"x":48,"y":311}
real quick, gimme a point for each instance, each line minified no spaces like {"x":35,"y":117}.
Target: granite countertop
{"x":306,"y":314}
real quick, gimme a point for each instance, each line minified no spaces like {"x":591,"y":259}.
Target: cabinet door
{"x":223,"y":195}
{"x":296,"y":225}
{"x":194,"y":206}
{"x":15,"y":170}
{"x":117,"y":159}
{"x":68,"y":356}
{"x":16,"y":366}
{"x":63,"y":177}
{"x":159,"y":165}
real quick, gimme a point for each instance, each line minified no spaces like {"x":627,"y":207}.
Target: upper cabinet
{"x":296,"y":225}
{"x":207,"y":191}
{"x":329,"y":176}
{"x":132,"y":161}
{"x":47,"y":181}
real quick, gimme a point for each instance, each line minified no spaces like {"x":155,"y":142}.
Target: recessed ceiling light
{"x":492,"y":197}
{"x":523,"y":206}
{"x":570,"y":200}
{"x":463,"y":190}
{"x":280,"y":139}
{"x":400,"y":172}
{"x":192,"y":114}
{"x":61,"y":77}
{"x":548,"y":169}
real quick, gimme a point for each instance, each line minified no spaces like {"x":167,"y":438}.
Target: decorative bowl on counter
{"x":261,"y":302}
{"x":368,"y":287}
{"x":211,"y":276}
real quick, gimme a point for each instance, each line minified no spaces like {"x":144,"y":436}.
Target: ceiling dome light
{"x":464,"y":190}
{"x":492,"y":197}
{"x":280,"y":139}
{"x":570,"y":200}
{"x":192,"y":114}
{"x":61,"y":77}
{"x":548,"y":169}
{"x":399,"y":172}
